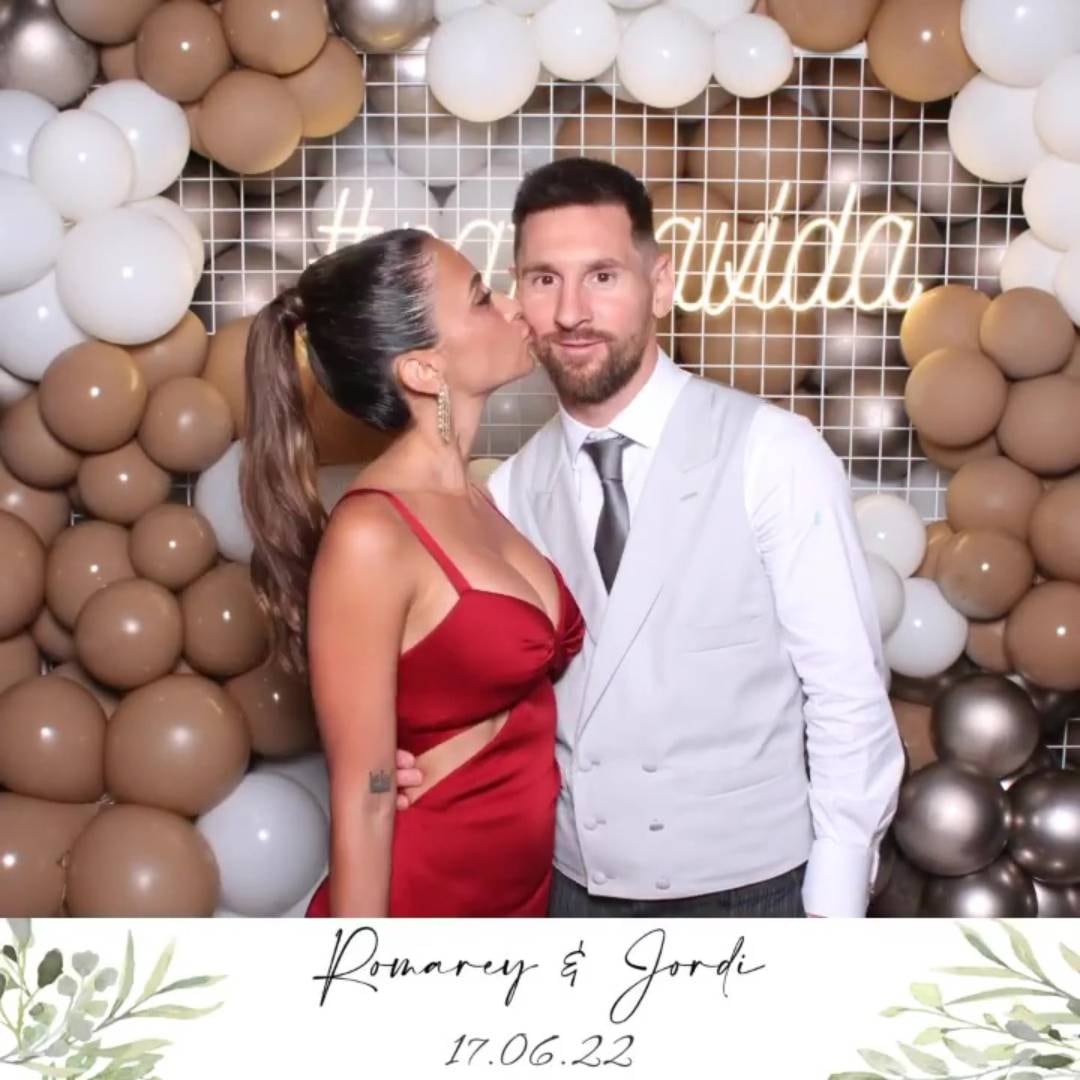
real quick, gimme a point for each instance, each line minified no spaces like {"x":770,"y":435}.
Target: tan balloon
{"x":92,"y":397}
{"x":173,"y":545}
{"x":225,"y":367}
{"x":181,"y":49}
{"x":118,"y":62}
{"x":278,"y":710}
{"x":986,"y":646}
{"x":1038,"y":428}
{"x":947,"y":316}
{"x":913,"y":724}
{"x":275,"y":36}
{"x":182,"y":351}
{"x":129,"y":633}
{"x":984,"y":574}
{"x":70,"y":669}
{"x":22,"y":583}
{"x":827,"y":26}
{"x":1072,"y":367}
{"x":187,"y":425}
{"x":86,"y":557}
{"x":1055,"y":530}
{"x":330,"y":90}
{"x":52,"y":740}
{"x":46,"y":511}
{"x":52,"y":638}
{"x":35,"y":836}
{"x":133,"y":861}
{"x":952,"y":458}
{"x":29,"y":448}
{"x":106,"y":22}
{"x":225,"y":632}
{"x":1027,"y":332}
{"x":851,"y":98}
{"x":938,"y":533}
{"x":750,"y":148}
{"x":123,"y":484}
{"x":178,"y":744}
{"x":19,"y":659}
{"x":1042,"y":635}
{"x":993,"y":493}
{"x":956,"y":396}
{"x":915,"y":49}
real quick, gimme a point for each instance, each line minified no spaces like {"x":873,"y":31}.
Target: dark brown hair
{"x":357,"y":310}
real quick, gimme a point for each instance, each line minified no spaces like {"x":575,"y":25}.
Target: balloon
{"x":931,"y":635}
{"x":888,"y":593}
{"x":19,"y":658}
{"x":182,"y":223}
{"x":398,"y":87}
{"x":155,"y":127}
{"x":32,"y":232}
{"x":275,"y":36}
{"x":978,"y":249}
{"x":182,"y":351}
{"x":946,"y":316}
{"x":849,"y":96}
{"x":441,"y":158}
{"x":576,"y":39}
{"x":1067,"y":283}
{"x":937,"y":533}
{"x":211,"y":202}
{"x":217,"y":498}
{"x":379,"y":26}
{"x":1041,"y":759}
{"x":1042,"y":635}
{"x":83,"y":559}
{"x":829,"y":26}
{"x":752,"y":56}
{"x":1060,"y":903}
{"x":307,"y":770}
{"x":1016,"y":41}
{"x":225,"y":630}
{"x":956,"y":396}
{"x":1055,"y":530}
{"x":913,"y":726}
{"x":992,"y":130}
{"x":1027,"y":333}
{"x":122,"y":485}
{"x":852,"y":162}
{"x":484,"y":198}
{"x":107,"y":22}
{"x":330,"y":90}
{"x":1000,"y":890}
{"x":187,"y":425}
{"x":1044,"y":827}
{"x":270,"y":839}
{"x":901,"y":896}
{"x":243,"y":280}
{"x":181,"y":49}
{"x":278,"y":710}
{"x":925,"y":691}
{"x":950,"y":821}
{"x":172,"y":545}
{"x":984,"y":574}
{"x":1049,"y":205}
{"x":1028,"y":262}
{"x":31,"y":451}
{"x":864,"y":421}
{"x":986,"y":646}
{"x":483,"y":64}
{"x":22,"y":116}
{"x":1036,"y":429}
{"x":46,"y":512}
{"x":1055,"y":109}
{"x":891,"y":528}
{"x":39,"y":53}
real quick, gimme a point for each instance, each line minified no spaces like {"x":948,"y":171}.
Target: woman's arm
{"x":361,"y":589}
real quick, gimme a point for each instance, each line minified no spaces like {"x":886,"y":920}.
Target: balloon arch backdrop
{"x":873,"y":216}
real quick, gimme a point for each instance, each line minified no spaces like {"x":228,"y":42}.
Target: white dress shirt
{"x":799,"y":504}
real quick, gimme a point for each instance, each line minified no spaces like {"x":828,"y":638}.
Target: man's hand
{"x":408,"y":776}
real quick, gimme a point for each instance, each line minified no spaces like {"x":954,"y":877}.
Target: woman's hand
{"x":408,"y":776}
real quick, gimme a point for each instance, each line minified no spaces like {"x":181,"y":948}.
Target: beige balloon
{"x":173,"y":545}
{"x":106,"y":22}
{"x":953,"y":458}
{"x":71,"y":669}
{"x":943,"y":317}
{"x":118,"y":62}
{"x":225,"y":367}
{"x":938,"y":533}
{"x":122,"y":485}
{"x":330,"y":90}
{"x":993,"y":493}
{"x":1038,"y":428}
{"x":225,"y":631}
{"x":986,"y":646}
{"x":1027,"y":332}
{"x":913,"y":724}
{"x":30,"y":450}
{"x":852,"y":99}
{"x":181,"y":50}
{"x":19,"y":659}
{"x":956,"y":396}
{"x":275,"y":36}
{"x":187,"y":425}
{"x":46,"y":511}
{"x":1055,"y":530}
{"x":278,"y":710}
{"x":1042,"y":635}
{"x":22,"y":583}
{"x":826,"y":26}
{"x":86,"y":557}
{"x":52,"y":638}
{"x":984,"y":574}
{"x":181,"y":352}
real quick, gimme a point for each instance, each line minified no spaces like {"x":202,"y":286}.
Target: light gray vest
{"x":681,"y":730}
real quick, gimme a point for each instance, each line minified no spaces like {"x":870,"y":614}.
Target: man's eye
{"x":605,"y":277}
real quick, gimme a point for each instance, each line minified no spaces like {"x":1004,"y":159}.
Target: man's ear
{"x":663,"y":285}
{"x":420,"y":371}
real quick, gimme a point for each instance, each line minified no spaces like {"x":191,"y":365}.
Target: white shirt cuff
{"x":837,"y":881}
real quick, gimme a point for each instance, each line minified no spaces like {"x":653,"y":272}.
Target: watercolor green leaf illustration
{"x":62,"y":1015}
{"x":1013,"y":1021}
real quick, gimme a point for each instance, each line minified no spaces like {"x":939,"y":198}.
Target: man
{"x":733,"y":640}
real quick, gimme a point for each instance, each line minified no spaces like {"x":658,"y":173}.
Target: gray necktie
{"x":614,"y":521}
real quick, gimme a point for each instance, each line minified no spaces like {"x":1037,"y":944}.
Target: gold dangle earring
{"x":446,"y":431}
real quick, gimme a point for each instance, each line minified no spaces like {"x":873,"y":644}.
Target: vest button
{"x":655,"y":826}
{"x":590,"y":824}
{"x":583,"y":765}
{"x":649,"y":766}
{"x":599,"y":877}
{"x":663,"y":883}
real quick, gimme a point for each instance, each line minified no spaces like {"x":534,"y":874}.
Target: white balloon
{"x":217,"y":498}
{"x":665,"y":57}
{"x":1017,"y":41}
{"x":347,"y":211}
{"x":1028,"y":262}
{"x":36,"y":328}
{"x":1052,"y":202}
{"x":12,"y":389}
{"x":447,"y":9}
{"x":1057,"y":119}
{"x":632,"y":5}
{"x":350,"y":156}
{"x":177,"y":218}
{"x":1067,"y":283}
{"x":992,"y":130}
{"x":125,"y":276}
{"x":155,"y":128}
{"x":270,"y":840}
{"x":577,"y":39}
{"x":752,"y":56}
{"x":608,"y":79}
{"x":307,"y":770}
{"x":440,"y":157}
{"x":30,"y":233}
{"x":476,"y":218}
{"x":521,"y":7}
{"x":483,"y":64}
{"x":931,"y":634}
{"x":714,"y":13}
{"x":891,"y":528}
{"x":22,"y":116}
{"x":888,"y":593}
{"x":82,"y":163}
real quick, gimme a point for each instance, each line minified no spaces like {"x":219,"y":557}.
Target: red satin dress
{"x":479,"y":842}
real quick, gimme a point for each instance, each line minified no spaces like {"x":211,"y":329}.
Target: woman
{"x":422,"y":618}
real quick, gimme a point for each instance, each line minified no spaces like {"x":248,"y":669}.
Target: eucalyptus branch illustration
{"x":1029,"y":1041}
{"x":64,"y":1038}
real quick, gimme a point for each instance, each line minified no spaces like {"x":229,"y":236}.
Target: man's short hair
{"x":584,"y":182}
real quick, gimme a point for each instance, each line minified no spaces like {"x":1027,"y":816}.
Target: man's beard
{"x":598,"y":383}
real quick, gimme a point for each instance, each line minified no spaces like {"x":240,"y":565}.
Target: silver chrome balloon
{"x":279,"y":224}
{"x":1000,"y":890}
{"x":205,"y":192}
{"x":901,"y":896}
{"x":380,"y":26}
{"x":1044,"y":830}
{"x":853,"y":339}
{"x":39,"y":52}
{"x":397,"y":87}
{"x":240,"y":282}
{"x":974,"y":251}
{"x":1057,"y":901}
{"x":867,"y":165}
{"x":864,"y":421}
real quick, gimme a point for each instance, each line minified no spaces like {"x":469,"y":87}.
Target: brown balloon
{"x":851,"y":98}
{"x":1072,"y":367}
{"x":914,"y":47}
{"x":1055,"y":530}
{"x":22,"y":583}
{"x":19,"y":659}
{"x":182,"y":351}
{"x":35,"y":836}
{"x":275,"y":36}
{"x":1042,"y":635}
{"x":984,"y":574}
{"x":913,"y":723}
{"x":938,"y":533}
{"x":30,"y":450}
{"x":225,"y":367}
{"x":956,"y":396}
{"x":178,"y":744}
{"x":1027,"y":332}
{"x":986,"y":646}
{"x":118,"y":62}
{"x":864,"y":421}
{"x":52,"y":638}
{"x":92,"y":396}
{"x":181,"y":49}
{"x":330,"y":90}
{"x":187,"y":425}
{"x":46,"y":511}
{"x":827,"y":26}
{"x":84,"y":558}
{"x":954,"y":458}
{"x":225,"y":631}
{"x":123,"y":484}
{"x":278,"y":710}
{"x":105,"y":22}
{"x":129,"y":633}
{"x":70,"y":669}
{"x":751,"y":147}
{"x":947,"y":316}
{"x":249,"y":122}
{"x":52,"y":740}
{"x":993,"y":493}
{"x":133,"y":861}
{"x":1038,"y":428}
{"x":172,"y":545}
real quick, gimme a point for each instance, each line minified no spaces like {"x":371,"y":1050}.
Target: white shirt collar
{"x":644,"y":417}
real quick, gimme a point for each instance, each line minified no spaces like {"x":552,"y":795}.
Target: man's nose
{"x":571,"y":309}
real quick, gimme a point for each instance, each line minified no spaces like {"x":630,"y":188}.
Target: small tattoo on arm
{"x":380,"y":781}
